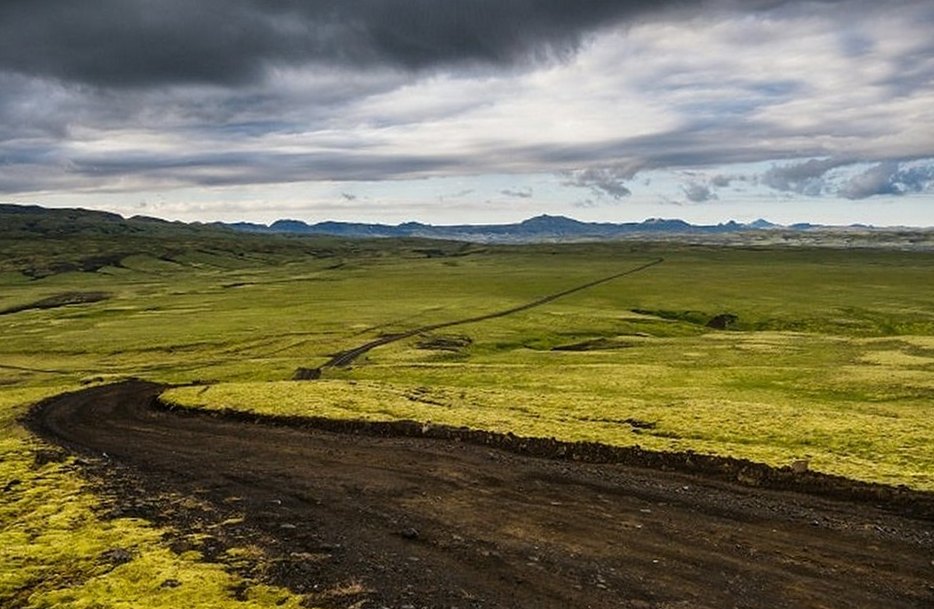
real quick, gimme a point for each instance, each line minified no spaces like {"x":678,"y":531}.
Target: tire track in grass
{"x":345,"y":358}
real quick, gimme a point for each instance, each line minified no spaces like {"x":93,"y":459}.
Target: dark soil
{"x":59,"y":300}
{"x":306,"y":374}
{"x":453,"y":343}
{"x":723,"y":321}
{"x":595,"y":344}
{"x":90,"y":264}
{"x":351,"y":517}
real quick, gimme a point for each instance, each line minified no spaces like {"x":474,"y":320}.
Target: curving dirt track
{"x":366,"y":521}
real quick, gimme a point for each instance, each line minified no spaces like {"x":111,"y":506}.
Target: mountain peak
{"x":549,"y":219}
{"x":665,"y":224}
{"x":762,"y":223}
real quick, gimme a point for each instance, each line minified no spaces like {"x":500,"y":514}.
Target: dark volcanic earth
{"x":361,"y":520}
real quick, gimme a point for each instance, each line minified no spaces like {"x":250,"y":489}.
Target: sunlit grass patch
{"x":898,"y":359}
{"x":920,"y":342}
{"x":762,"y":342}
{"x":890,"y":445}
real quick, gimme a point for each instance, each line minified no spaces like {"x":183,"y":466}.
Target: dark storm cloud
{"x":148,"y":93}
{"x":135,"y":42}
{"x":817,"y":176}
{"x":262,"y":167}
{"x":603,"y":181}
{"x":698,"y":193}
{"x":806,"y":178}
{"x":689,"y":145}
{"x":877,"y":180}
{"x":121,"y":43}
{"x":888,"y":178}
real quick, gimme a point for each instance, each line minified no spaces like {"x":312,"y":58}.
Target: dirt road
{"x":364,"y":521}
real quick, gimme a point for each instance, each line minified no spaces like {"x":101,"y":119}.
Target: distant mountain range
{"x":30,"y":220}
{"x":537,"y":229}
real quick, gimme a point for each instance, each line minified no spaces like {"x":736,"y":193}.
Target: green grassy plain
{"x":831,"y":358}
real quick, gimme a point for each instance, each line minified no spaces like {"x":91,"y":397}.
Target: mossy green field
{"x":830,"y":358}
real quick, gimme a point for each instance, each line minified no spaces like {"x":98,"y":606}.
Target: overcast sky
{"x":450,"y":111}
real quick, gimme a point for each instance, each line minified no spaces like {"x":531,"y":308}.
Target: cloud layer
{"x":125,"y":95}
{"x":124,"y":43}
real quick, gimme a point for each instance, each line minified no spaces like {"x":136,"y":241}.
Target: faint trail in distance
{"x":345,"y":358}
